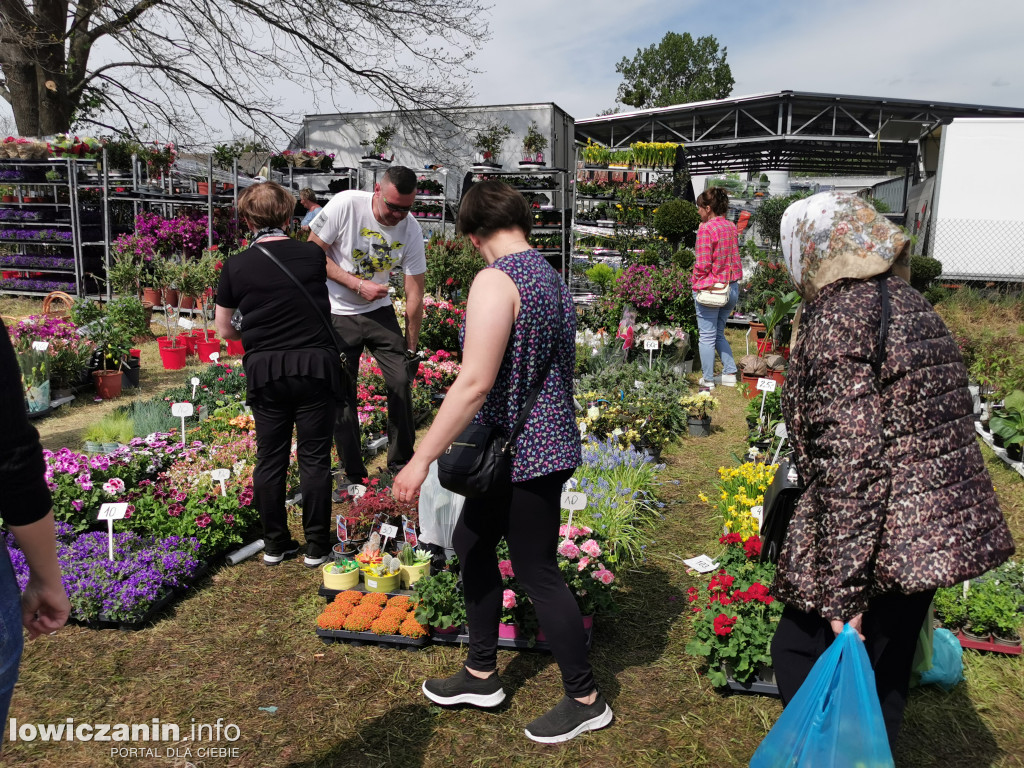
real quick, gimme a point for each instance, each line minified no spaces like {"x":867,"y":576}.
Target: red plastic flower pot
{"x":188,"y":341}
{"x":173,"y":358}
{"x":235,"y":347}
{"x":206,"y":348}
{"x":165,"y":341}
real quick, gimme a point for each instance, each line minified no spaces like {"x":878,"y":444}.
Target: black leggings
{"x":529,"y":520}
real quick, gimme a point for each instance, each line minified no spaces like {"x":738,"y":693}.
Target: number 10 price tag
{"x":574,"y":501}
{"x":110,"y":512}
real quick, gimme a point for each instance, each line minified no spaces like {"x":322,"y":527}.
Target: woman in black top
{"x":291,"y":366}
{"x":25,"y":508}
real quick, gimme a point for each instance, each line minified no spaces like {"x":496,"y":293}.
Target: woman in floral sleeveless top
{"x":520,"y":331}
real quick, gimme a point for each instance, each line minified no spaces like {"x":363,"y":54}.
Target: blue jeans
{"x":11,"y":640}
{"x":711,"y":327}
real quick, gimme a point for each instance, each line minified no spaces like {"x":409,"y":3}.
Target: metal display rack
{"x":551,"y":221}
{"x":40,"y":202}
{"x":424,"y":209}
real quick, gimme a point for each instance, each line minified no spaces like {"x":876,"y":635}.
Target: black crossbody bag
{"x":479,"y":461}
{"x":781,"y":498}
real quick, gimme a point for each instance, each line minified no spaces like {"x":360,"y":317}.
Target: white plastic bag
{"x":439,"y":510}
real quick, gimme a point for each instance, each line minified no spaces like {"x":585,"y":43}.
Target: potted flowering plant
{"x":534,"y":143}
{"x":489,"y":141}
{"x":379,"y":144}
{"x":439,"y":601}
{"x":583,"y":558}
{"x":734,"y":617}
{"x":698,"y":412}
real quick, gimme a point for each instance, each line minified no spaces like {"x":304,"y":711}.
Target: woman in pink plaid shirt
{"x":718,"y":261}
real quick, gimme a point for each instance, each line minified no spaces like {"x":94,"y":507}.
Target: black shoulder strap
{"x":312,"y":303}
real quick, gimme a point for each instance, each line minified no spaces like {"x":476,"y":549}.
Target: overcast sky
{"x":565,"y":51}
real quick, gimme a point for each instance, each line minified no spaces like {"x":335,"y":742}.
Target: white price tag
{"x":113,"y":511}
{"x":182,"y":410}
{"x":637,"y":384}
{"x":194,"y":381}
{"x":220,"y":474}
{"x":701,"y":564}
{"x":767,"y":385}
{"x":40,"y":346}
{"x":214,"y":357}
{"x":758,"y":514}
{"x":388,"y":531}
{"x":650,"y":343}
{"x":355,"y":490}
{"x":574,"y":500}
{"x":185,"y":323}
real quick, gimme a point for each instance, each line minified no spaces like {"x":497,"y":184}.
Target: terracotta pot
{"x":778,"y":376}
{"x":751,"y":382}
{"x":171,"y":296}
{"x":173,"y":358}
{"x":108,"y":383}
{"x":187,"y":302}
{"x":152,"y":295}
{"x":203,"y":187}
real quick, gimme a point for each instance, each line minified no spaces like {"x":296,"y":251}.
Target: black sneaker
{"x":569,"y":719}
{"x":464,"y":688}
{"x":275,"y":558}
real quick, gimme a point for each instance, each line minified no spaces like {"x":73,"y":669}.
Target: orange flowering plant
{"x":734,"y":616}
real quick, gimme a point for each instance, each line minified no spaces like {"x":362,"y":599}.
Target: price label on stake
{"x":767,"y":385}
{"x":214,"y":357}
{"x":183,"y":410}
{"x":194,"y":381}
{"x":110,"y":512}
{"x":185,"y":323}
{"x":355,"y":490}
{"x":40,"y":346}
{"x":387,"y":531}
{"x":574,"y":501}
{"x":650,"y":344}
{"x":220,"y":475}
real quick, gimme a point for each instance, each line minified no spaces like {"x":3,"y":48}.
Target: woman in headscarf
{"x":897,"y":501}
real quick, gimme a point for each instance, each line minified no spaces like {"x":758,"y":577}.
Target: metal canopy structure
{"x":789,"y":130}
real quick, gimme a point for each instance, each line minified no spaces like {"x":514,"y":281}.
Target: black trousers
{"x":529,"y":521}
{"x":379,"y":332}
{"x":309,"y":405}
{"x":891,"y":627}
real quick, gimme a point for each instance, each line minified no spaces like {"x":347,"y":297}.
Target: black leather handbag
{"x":781,"y":498}
{"x":477,"y":463}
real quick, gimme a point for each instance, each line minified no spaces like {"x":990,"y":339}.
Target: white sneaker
{"x":701,"y":384}
{"x":728,"y":379}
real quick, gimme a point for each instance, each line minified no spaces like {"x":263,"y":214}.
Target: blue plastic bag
{"x":834,"y":720}
{"x":947,"y":661}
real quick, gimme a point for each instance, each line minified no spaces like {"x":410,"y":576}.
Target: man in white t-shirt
{"x":365,"y":236}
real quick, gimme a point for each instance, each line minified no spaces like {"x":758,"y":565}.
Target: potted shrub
{"x":488,"y":143}
{"x":534,"y":144}
{"x":379,"y":144}
{"x":112,"y":342}
{"x":698,"y":412}
{"x":440,"y":604}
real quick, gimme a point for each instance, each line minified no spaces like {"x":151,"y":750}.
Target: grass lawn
{"x":242,"y":648}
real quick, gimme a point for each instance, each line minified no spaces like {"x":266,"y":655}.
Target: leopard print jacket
{"x":898,"y":498}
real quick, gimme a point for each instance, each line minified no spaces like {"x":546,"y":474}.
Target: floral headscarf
{"x":832,"y":235}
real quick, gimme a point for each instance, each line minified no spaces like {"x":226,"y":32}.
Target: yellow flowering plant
{"x":739,"y":489}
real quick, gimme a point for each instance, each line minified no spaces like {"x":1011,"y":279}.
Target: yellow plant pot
{"x":413,"y":573}
{"x":381,"y":583}
{"x":340,"y":581}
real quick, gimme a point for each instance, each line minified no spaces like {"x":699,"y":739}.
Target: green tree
{"x":677,"y":70}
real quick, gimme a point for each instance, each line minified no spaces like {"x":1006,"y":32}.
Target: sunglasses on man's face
{"x":395,"y":208}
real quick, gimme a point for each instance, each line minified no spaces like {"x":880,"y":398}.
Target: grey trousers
{"x":379,"y":332}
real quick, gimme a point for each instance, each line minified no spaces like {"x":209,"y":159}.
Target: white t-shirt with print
{"x":360,"y":244}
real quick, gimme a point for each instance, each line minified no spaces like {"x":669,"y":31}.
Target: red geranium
{"x":723,"y":624}
{"x":752,"y":546}
{"x":730,"y":538}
